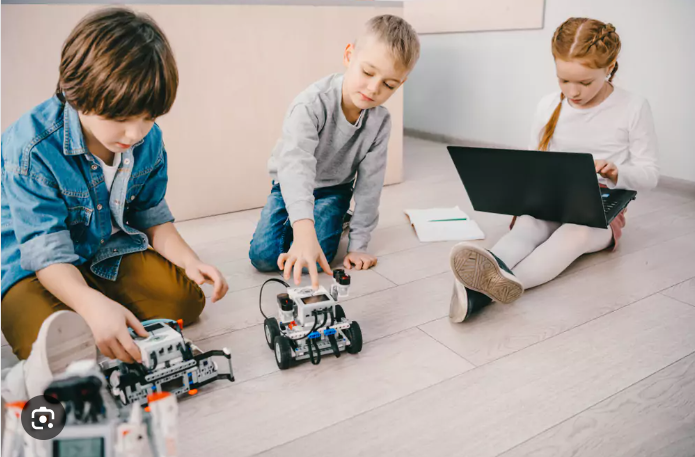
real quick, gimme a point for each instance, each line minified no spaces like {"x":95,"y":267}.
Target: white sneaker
{"x":458,"y":309}
{"x":481,"y":271}
{"x":14,"y":389}
{"x":64,"y":337}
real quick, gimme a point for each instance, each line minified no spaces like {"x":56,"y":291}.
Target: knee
{"x":25,"y":307}
{"x":187,"y":303}
{"x":266,"y":246}
{"x":534,"y":230}
{"x":579,"y":235}
{"x":529,"y":223}
{"x":263,"y":260}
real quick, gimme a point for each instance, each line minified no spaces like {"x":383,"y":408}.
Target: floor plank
{"x":256,"y":415}
{"x":251,"y":356}
{"x":493,"y":408}
{"x":655,"y":417}
{"x":393,"y":310}
{"x":389,"y":240}
{"x":380,"y":314}
{"x":239,"y":309}
{"x":417,"y":263}
{"x":684,"y":292}
{"x":644,"y":231}
{"x":564,"y":303}
{"x":598,"y":362}
{"x":216,"y":228}
{"x":225,"y":250}
{"x":657,"y":199}
{"x":240,"y":274}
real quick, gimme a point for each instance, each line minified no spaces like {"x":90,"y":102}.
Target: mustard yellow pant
{"x":148,"y":285}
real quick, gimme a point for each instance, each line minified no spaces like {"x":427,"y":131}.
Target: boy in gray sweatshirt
{"x":333,"y":148}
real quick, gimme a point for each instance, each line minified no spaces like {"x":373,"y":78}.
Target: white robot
{"x":311,"y":323}
{"x":170,"y":363}
{"x":95,"y":426}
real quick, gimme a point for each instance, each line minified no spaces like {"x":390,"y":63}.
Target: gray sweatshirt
{"x":320,"y":148}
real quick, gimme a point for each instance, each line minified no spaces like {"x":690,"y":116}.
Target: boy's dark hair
{"x":117,"y":64}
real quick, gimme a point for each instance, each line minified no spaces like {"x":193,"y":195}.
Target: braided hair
{"x":594,"y":43}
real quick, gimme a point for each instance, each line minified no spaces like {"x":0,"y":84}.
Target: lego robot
{"x":170,"y":363}
{"x":94,"y":425}
{"x":311,"y":323}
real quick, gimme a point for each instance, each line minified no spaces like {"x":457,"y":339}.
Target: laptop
{"x":552,"y":186}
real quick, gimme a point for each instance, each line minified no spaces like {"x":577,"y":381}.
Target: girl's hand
{"x":203,"y":273}
{"x":607,"y":169}
{"x":361,"y":260}
{"x":109,"y":322}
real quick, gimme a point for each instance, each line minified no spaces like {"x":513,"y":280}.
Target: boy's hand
{"x":203,"y":273}
{"x":109,"y":322}
{"x":305,"y":251}
{"x":361,"y":260}
{"x":607,"y":169}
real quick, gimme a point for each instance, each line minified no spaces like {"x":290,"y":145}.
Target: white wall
{"x":485,"y":86}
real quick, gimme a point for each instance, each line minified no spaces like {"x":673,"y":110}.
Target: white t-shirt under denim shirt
{"x":619,"y":130}
{"x":109,"y":175}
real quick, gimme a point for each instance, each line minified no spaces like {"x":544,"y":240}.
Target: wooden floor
{"x":599,"y":362}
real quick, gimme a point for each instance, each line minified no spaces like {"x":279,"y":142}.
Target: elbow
{"x":653,"y":180}
{"x":151,"y":232}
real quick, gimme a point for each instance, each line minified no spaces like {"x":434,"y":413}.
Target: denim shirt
{"x":55,"y":204}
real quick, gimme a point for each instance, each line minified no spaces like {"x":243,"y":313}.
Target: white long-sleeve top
{"x":620,"y":129}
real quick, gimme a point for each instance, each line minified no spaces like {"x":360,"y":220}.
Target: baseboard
{"x":677,"y":184}
{"x":665,"y":182}
{"x":451,"y":140}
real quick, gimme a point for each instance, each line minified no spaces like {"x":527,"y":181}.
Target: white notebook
{"x":444,"y":224}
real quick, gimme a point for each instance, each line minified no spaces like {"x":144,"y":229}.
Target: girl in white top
{"x":588,"y":115}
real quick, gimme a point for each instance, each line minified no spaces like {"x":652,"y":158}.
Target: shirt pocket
{"x":79,"y":218}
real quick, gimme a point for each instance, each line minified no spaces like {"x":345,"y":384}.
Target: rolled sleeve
{"x":157,"y":215}
{"x":48,"y":249}
{"x":150,"y":209}
{"x":39,"y":216}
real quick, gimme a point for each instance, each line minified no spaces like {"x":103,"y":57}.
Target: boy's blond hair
{"x":398,"y":35}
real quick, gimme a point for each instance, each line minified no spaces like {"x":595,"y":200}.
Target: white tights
{"x":537,"y":251}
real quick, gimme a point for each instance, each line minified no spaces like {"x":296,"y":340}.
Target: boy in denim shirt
{"x":333,"y":147}
{"x":84,"y":176}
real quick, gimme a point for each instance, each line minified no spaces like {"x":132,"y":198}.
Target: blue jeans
{"x":274,"y":234}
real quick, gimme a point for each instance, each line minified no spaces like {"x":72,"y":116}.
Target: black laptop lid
{"x":552,"y":186}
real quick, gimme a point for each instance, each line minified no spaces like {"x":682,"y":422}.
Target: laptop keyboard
{"x":607,"y":206}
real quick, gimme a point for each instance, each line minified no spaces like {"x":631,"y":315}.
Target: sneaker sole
{"x":478,"y":270}
{"x":69,"y":339}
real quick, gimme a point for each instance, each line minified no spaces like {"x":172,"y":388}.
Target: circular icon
{"x":43,"y":418}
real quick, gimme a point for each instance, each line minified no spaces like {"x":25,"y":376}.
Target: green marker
{"x":449,"y":220}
